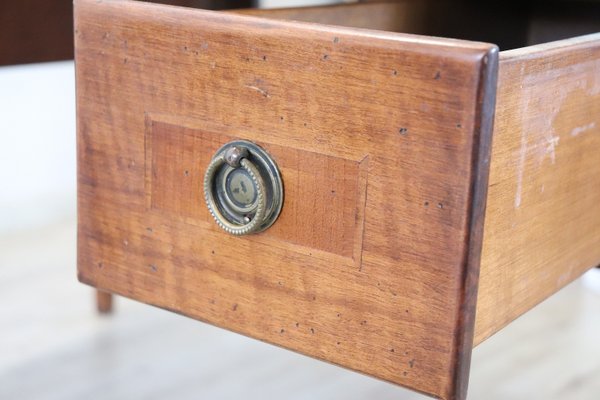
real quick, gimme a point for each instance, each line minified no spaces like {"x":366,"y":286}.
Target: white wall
{"x":37,"y":144}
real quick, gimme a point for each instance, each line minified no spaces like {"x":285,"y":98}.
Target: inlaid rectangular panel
{"x":324,"y":202}
{"x":383,"y":144}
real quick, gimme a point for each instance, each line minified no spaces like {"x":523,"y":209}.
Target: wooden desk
{"x":385,"y":258}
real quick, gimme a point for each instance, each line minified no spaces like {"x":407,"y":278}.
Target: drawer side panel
{"x":542,"y":226}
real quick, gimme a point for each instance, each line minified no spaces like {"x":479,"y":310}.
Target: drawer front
{"x":382,"y":141}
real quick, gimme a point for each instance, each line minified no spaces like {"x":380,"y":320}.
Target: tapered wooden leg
{"x":104,"y":302}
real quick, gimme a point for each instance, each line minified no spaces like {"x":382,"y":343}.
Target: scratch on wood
{"x":521,"y":168}
{"x":545,"y":144}
{"x":259,"y":90}
{"x":539,"y":112}
{"x":551,"y":144}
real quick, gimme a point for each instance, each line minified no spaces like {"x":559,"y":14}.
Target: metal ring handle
{"x":235,"y":229}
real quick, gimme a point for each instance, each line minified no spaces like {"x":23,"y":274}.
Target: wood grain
{"x":418,"y":109}
{"x":530,"y":251}
{"x":542,"y":227}
{"x":324,"y":201}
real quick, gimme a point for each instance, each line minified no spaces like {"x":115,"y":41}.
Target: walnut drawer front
{"x":383,"y":141}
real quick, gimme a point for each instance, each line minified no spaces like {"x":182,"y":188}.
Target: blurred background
{"x":54,"y":345}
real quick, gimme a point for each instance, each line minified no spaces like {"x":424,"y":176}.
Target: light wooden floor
{"x":53,"y":345}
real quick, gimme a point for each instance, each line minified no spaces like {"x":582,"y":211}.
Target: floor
{"x":54,"y":346}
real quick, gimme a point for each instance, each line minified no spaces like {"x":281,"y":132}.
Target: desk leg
{"x":104,"y":302}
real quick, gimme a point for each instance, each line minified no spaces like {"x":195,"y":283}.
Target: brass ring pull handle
{"x":243,"y":188}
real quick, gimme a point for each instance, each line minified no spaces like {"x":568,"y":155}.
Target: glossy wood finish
{"x":404,"y":120}
{"x":542,"y":226}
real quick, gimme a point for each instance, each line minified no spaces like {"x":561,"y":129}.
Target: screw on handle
{"x":236,"y":157}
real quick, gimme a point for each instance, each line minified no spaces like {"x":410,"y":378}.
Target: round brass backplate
{"x":243,"y":188}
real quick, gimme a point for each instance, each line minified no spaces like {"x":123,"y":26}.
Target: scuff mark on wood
{"x":259,"y":90}
{"x":580,"y":129}
{"x":521,"y":168}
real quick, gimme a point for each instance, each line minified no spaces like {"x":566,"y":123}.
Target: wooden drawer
{"x":383,"y":141}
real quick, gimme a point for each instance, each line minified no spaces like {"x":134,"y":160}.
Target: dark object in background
{"x":42,"y":30}
{"x":511,"y":24}
{"x":554,"y":20}
{"x":35,"y":31}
